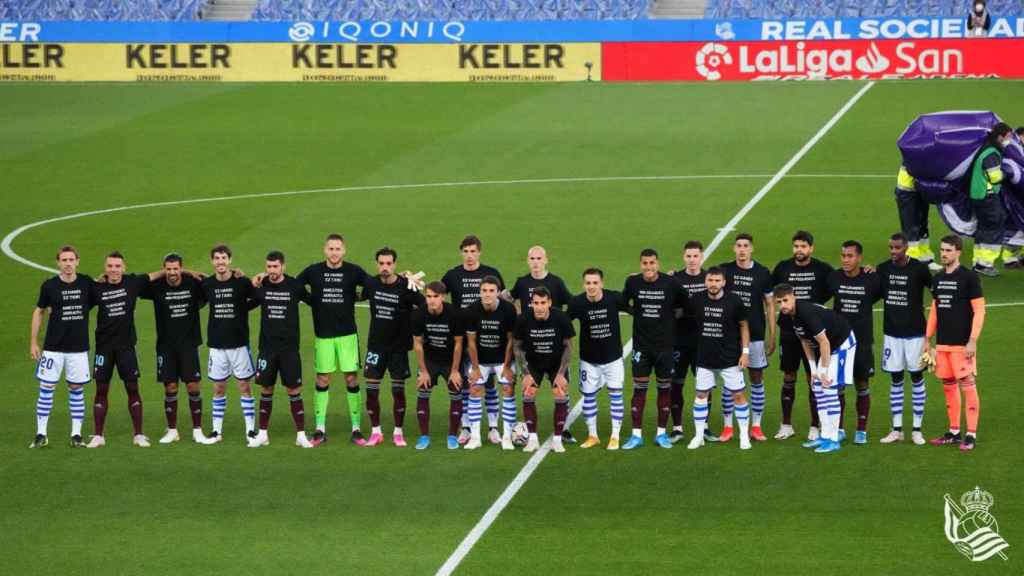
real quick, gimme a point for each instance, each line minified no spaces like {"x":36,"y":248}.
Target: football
{"x":520,"y":434}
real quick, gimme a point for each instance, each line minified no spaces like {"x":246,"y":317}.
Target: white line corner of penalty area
{"x":524,"y":474}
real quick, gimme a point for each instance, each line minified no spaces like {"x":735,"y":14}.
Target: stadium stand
{"x":780,"y":9}
{"x":100,"y":9}
{"x":451,"y":10}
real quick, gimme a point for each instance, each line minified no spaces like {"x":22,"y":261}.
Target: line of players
{"x":713,"y":323}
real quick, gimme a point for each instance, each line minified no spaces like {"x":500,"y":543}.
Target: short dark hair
{"x":67,"y":248}
{"x":715,"y":271}
{"x":471,"y":240}
{"x":900,"y":237}
{"x":335,"y":236}
{"x":220,"y":249}
{"x":386,"y":251}
{"x":492,"y":280}
{"x":648,"y":252}
{"x":744,"y":236}
{"x":116,"y":254}
{"x":437,"y":287}
{"x":173,"y":257}
{"x":1020,"y":131}
{"x":855,"y":245}
{"x":782,"y":290}
{"x":275,"y":256}
{"x":592,"y":270}
{"x":804,"y":236}
{"x":541,"y":291}
{"x":693,"y":244}
{"x":954,"y":241}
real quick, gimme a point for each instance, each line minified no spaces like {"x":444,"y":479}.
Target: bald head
{"x":537,"y":259}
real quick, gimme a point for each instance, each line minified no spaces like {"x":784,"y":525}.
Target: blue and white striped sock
{"x":830,"y":396}
{"x":757,"y":401}
{"x":618,"y":409}
{"x":896,"y":403}
{"x":76,"y":404}
{"x":508,"y":411}
{"x":491,"y":397}
{"x":700,"y":416}
{"x":249,"y":412}
{"x":919,"y":395}
{"x":44,"y":405}
{"x":474,"y":412}
{"x":743,"y":419}
{"x":727,"y":407}
{"x":218,"y":406}
{"x":590,"y":412}
{"x":465,"y":403}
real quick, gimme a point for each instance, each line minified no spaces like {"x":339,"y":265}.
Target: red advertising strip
{"x":804,"y":60}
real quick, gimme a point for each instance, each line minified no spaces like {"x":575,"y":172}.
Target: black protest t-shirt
{"x":752,"y":285}
{"x":653,"y":307}
{"x":853,"y":298}
{"x":391,"y":307}
{"x":543,"y":341}
{"x":686,"y":327}
{"x":903,"y":289}
{"x":812,"y":319}
{"x":522,"y":290}
{"x":720,"y":342}
{"x":600,"y":332}
{"x":227,"y":322}
{"x":279,"y":314}
{"x":334,"y":297}
{"x":115,"y":314}
{"x":177,"y":312}
{"x":491,"y":329}
{"x":67,"y":329}
{"x":464,"y":285}
{"x":953,"y":293}
{"x":437,"y":332}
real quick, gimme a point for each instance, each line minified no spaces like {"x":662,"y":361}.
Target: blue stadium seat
{"x":778,"y":9}
{"x":100,"y":9}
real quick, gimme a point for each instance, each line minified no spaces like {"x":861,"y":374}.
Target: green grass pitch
{"x":345,"y":510}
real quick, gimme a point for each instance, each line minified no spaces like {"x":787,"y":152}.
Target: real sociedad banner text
{"x":443,"y":32}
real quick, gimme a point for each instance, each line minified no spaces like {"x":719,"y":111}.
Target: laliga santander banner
{"x":808,"y":60}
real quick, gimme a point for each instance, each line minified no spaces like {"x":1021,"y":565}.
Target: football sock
{"x":355,"y":407}
{"x":508,"y":411}
{"x":919,"y":395}
{"x":530,"y":414}
{"x":743,"y":419}
{"x":863,"y":408}
{"x":475,"y":415}
{"x":423,"y":411}
{"x":298,"y":412}
{"x":134,"y":405}
{"x":973,"y":408}
{"x":896,"y":401}
{"x":373,"y":403}
{"x":195,"y":407}
{"x":561,"y":412}
{"x":727,"y":407}
{"x":455,"y":414}
{"x":812,"y":402}
{"x":248,"y":412}
{"x":491,"y":398}
{"x":788,"y":395}
{"x":218,"y":406}
{"x":618,"y":409}
{"x":664,"y":404}
{"x":99,"y":407}
{"x":700,"y":416}
{"x":952,"y":392}
{"x":638,"y":402}
{"x":44,"y":405}
{"x":676,"y":407}
{"x":590,"y":412}
{"x":76,"y":404}
{"x":266,"y":407}
{"x":171,"y":410}
{"x":756,"y":402}
{"x":321,"y":398}
{"x":398,"y":402}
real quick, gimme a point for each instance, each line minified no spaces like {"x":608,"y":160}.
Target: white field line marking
{"x":510,"y":491}
{"x":5,"y":245}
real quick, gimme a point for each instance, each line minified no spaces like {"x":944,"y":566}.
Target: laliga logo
{"x":974,"y":532}
{"x":710,"y":57}
{"x":301,"y":31}
{"x":873,"y":62}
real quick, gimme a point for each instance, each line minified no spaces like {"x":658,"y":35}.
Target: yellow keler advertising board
{"x":288,"y":62}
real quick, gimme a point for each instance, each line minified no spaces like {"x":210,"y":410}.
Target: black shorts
{"x":286,"y":363}
{"x":538,"y":373}
{"x":660,"y":362}
{"x":791,"y":353}
{"x":125,"y":359}
{"x":394,"y":363}
{"x":437,"y":370}
{"x":864,"y":360}
{"x":683,"y":360}
{"x":179,"y":364}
